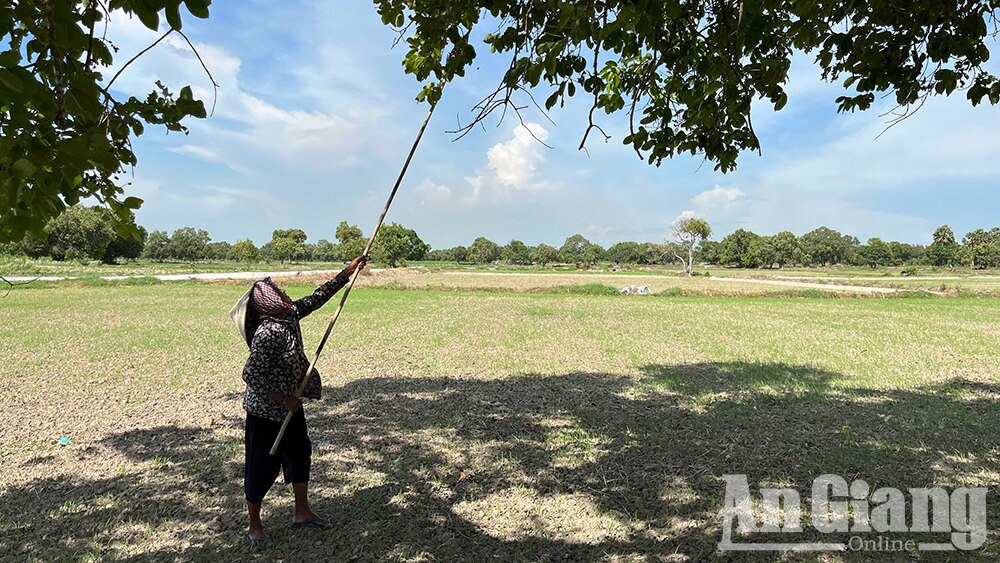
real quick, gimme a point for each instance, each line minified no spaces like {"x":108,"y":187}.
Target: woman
{"x":269,"y":321}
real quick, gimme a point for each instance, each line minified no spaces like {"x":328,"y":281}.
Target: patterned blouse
{"x":277,"y":359}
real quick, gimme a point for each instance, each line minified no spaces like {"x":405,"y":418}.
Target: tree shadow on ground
{"x":579,"y":466}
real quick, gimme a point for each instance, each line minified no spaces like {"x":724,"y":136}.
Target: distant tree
{"x":786,"y":248}
{"x":418,"y":248}
{"x":516,"y":252}
{"x":708,"y":251}
{"x":438,"y":255}
{"x":626,"y":252}
{"x":396,"y":244}
{"x":188,"y":244}
{"x":987,"y":255}
{"x":763,"y":252}
{"x":826,"y":246}
{"x":459,"y":254}
{"x":544,"y":254}
{"x":659,"y":253}
{"x":347,"y":232}
{"x":156,"y":245}
{"x":735,"y":249}
{"x":127,"y":248}
{"x":983,"y":248}
{"x":351,"y":242}
{"x":308,"y":252}
{"x":942,"y":252}
{"x":296,"y":235}
{"x":906,"y":253}
{"x":973,"y":239}
{"x":326,"y":251}
{"x":80,"y":233}
{"x":595,"y":253}
{"x":287,"y":245}
{"x":351,"y":249}
{"x":575,"y":250}
{"x":285,"y":249}
{"x":218,"y":250}
{"x":689,"y":232}
{"x":29,"y":246}
{"x":267,"y":251}
{"x":877,"y":253}
{"x":244,"y":251}
{"x":483,"y":251}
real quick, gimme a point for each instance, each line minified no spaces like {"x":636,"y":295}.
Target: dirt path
{"x":806,"y":285}
{"x":783,"y":282}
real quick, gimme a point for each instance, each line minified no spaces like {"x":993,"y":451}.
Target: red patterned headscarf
{"x":267,"y":299}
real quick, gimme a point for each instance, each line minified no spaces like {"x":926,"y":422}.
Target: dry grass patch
{"x":458,"y":426}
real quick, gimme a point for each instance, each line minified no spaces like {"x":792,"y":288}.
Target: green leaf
{"x":10,"y":80}
{"x":173,"y":12}
{"x":198,"y":8}
{"x":24,"y":168}
{"x":148,"y":17}
{"x":132,"y":202}
{"x":9,"y":58}
{"x":781,"y":101}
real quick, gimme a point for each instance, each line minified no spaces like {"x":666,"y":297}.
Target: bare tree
{"x":689,"y":231}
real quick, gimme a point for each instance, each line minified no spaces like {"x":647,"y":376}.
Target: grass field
{"x":460,"y":425}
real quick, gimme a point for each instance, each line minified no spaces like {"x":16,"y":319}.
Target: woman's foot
{"x":318,"y":522}
{"x":256,"y":538}
{"x":304,"y":516}
{"x":256,"y":533}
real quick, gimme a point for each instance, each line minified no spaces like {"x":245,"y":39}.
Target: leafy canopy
{"x":64,"y":135}
{"x":687,"y":71}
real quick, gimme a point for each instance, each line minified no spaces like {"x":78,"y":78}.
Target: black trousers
{"x":293,"y":458}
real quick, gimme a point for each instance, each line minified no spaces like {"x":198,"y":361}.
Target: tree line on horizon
{"x":88,"y":234}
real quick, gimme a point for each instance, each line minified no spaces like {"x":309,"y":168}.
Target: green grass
{"x":464,"y":424}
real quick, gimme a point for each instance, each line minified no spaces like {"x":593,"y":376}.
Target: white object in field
{"x":635,"y":290}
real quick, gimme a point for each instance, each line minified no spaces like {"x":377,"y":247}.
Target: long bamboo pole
{"x":333,"y":321}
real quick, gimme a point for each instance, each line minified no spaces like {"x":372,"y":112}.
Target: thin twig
{"x":215,"y":85}
{"x":90,"y":43}
{"x":906,"y":114}
{"x":10,"y":284}
{"x":137,"y":55}
{"x":597,"y":95}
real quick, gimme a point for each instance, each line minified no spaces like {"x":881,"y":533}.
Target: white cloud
{"x":511,"y":172}
{"x":204,"y":153}
{"x":934,"y":145}
{"x":216,"y":201}
{"x":718,"y":198}
{"x":514,"y":162}
{"x":244,"y":126}
{"x":432,"y":192}
{"x":511,"y":167}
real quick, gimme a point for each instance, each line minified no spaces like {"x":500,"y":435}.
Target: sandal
{"x":258,"y":543}
{"x":319,"y":523}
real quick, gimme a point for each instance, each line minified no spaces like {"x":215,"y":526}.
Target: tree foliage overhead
{"x":687,"y":71}
{"x":64,"y":134}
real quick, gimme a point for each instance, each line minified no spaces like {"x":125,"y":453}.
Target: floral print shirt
{"x":277,"y":359}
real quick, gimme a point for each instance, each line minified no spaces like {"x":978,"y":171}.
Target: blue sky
{"x":315,"y":115}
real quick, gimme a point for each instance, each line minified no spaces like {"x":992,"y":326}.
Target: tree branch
{"x":215,"y":85}
{"x":597,"y":94}
{"x":10,"y":284}
{"x":136,"y":56}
